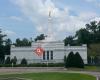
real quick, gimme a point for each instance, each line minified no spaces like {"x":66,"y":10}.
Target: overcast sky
{"x":29,"y":18}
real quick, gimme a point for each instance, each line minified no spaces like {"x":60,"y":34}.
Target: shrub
{"x":14,"y":60}
{"x":89,"y":59}
{"x":74,"y":60}
{"x":70,"y":60}
{"x":96,"y":60}
{"x":34,"y":65}
{"x":78,"y":61}
{"x":7,"y":61}
{"x":24,"y":61}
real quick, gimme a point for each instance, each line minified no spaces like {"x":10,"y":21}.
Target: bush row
{"x":34,"y":65}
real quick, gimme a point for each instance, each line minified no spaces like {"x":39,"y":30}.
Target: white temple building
{"x":54,"y":52}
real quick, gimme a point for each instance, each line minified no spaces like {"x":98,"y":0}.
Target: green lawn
{"x":49,"y":76}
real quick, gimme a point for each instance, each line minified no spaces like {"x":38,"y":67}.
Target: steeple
{"x":49,"y":34}
{"x":49,"y":13}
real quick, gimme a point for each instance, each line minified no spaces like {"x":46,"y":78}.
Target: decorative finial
{"x":49,"y":13}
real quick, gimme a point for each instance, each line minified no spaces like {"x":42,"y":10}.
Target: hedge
{"x":34,"y":65}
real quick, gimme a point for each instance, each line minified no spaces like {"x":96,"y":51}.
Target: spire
{"x":49,"y":13}
{"x":50,"y":33}
{"x":49,"y":23}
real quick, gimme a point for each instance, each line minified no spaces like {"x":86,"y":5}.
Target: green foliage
{"x":7,"y":49}
{"x":2,"y":48}
{"x":69,"y":40}
{"x":40,"y":37}
{"x":83,"y":36}
{"x":70,"y":60}
{"x":7,"y":61}
{"x":24,"y":61}
{"x":74,"y":61}
{"x":96,"y":60}
{"x":1,"y":37}
{"x":89,"y":59}
{"x":23,"y":42}
{"x":14,"y":60}
{"x":78,"y":61}
{"x":90,"y":34}
{"x":2,"y":54}
{"x":34,"y":65}
{"x":92,"y":27}
{"x":8,"y":42}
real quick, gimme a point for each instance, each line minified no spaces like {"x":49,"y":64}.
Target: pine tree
{"x":78,"y":61}
{"x":7,"y":61}
{"x":24,"y":61}
{"x":2,"y":52}
{"x":70,"y":60}
{"x":14,"y":60}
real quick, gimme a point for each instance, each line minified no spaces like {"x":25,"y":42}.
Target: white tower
{"x":49,"y":24}
{"x":50,"y":33}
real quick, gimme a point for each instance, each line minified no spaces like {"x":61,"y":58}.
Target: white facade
{"x":54,"y":52}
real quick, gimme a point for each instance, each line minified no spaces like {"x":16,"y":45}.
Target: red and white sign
{"x":39,"y":51}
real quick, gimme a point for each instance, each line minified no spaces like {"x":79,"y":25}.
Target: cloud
{"x":9,"y":33}
{"x":16,"y":18}
{"x":96,"y":19}
{"x":95,"y":2}
{"x":62,"y":22}
{"x":91,"y":0}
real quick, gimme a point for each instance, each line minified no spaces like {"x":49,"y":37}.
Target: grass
{"x":93,"y":68}
{"x":86,"y":68}
{"x":49,"y":76}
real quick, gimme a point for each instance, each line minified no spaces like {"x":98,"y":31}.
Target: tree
{"x":89,"y":59}
{"x":94,"y":30}
{"x":26,"y":42}
{"x":83,"y":36}
{"x":23,"y":42}
{"x":96,"y":60}
{"x":14,"y":60}
{"x":40,"y":37}
{"x":1,"y":37}
{"x":70,"y":60}
{"x":18,"y":42}
{"x":8,"y":43}
{"x":7,"y":61}
{"x":92,"y":27}
{"x":24,"y":61}
{"x":74,"y":60}
{"x":2,"y":53}
{"x":78,"y":61}
{"x":69,"y":40}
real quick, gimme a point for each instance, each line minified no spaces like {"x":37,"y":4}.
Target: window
{"x":47,"y":55}
{"x":51,"y":55}
{"x":44,"y":55}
